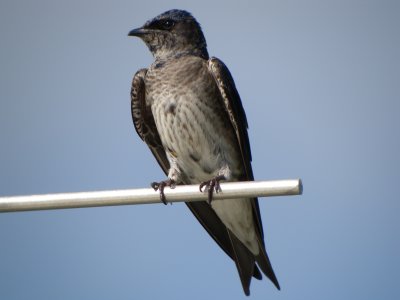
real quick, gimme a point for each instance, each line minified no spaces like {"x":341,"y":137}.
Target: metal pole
{"x":182,"y":193}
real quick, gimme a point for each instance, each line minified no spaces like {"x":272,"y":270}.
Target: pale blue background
{"x":320,"y":84}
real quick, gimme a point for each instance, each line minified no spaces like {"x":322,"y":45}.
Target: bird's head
{"x":174,"y":32}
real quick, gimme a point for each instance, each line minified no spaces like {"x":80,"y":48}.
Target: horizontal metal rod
{"x":181,"y":193}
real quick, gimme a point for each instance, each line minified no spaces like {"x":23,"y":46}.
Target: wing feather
{"x":234,"y":109}
{"x":143,"y":120}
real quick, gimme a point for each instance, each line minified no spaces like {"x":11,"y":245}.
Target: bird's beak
{"x":139,"y":32}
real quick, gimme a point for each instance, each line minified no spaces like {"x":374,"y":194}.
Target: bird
{"x":186,"y":108}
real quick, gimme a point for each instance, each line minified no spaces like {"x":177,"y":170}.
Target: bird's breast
{"x":193,"y":125}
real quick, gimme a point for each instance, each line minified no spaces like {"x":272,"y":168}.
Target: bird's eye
{"x":167,"y":24}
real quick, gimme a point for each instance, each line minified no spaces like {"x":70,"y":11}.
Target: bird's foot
{"x":211,"y":186}
{"x":161,"y":185}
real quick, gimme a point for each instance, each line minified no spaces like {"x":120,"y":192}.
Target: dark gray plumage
{"x":188,"y":111}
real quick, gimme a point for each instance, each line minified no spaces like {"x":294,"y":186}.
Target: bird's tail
{"x":246,"y":263}
{"x":265,"y":265}
{"x":244,"y":260}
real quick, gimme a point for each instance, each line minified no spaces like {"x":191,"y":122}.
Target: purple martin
{"x":186,"y":108}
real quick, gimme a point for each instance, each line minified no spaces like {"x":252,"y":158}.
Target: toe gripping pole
{"x":181,"y":193}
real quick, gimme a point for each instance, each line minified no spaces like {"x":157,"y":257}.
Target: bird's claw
{"x":211,"y":186}
{"x":160,"y":186}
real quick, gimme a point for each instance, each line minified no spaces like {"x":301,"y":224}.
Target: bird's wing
{"x":143,"y":119}
{"x":233,"y":106}
{"x":144,"y":123}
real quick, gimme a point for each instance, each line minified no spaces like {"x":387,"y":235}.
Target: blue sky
{"x":319,"y":81}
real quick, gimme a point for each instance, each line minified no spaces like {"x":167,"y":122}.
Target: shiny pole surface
{"x":181,"y":193}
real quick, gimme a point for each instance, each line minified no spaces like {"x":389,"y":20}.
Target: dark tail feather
{"x":257,"y":273}
{"x":265,"y":265}
{"x":245,"y":262}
